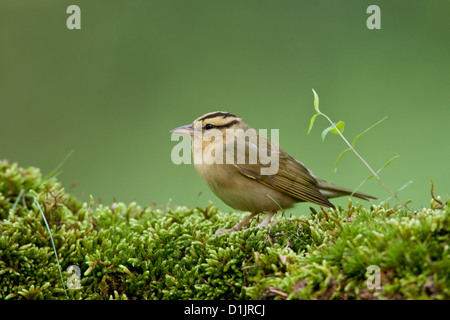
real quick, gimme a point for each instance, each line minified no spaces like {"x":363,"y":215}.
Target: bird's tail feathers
{"x":330,"y":190}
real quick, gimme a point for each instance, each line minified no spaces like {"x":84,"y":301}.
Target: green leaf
{"x":337,"y":161}
{"x":311,"y":122}
{"x":334,"y":129}
{"x":374,"y":125}
{"x":316,"y":102}
{"x":325,"y":132}
{"x":339,"y":127}
{"x":390,"y":161}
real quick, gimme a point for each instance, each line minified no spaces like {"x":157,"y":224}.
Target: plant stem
{"x":365,"y":163}
{"x":53,"y":244}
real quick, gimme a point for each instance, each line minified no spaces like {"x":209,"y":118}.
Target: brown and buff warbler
{"x":238,"y":180}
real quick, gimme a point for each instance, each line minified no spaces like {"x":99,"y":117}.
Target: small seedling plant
{"x":337,"y":128}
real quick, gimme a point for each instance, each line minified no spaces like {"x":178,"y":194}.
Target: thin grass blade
{"x":53,"y":244}
{"x":55,"y":171}
{"x":337,"y":161}
{"x":365,"y":131}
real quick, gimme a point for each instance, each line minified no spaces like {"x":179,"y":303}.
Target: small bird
{"x":239,"y":182}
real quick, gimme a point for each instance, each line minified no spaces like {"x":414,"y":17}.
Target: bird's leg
{"x":238,"y":226}
{"x":265,"y":222}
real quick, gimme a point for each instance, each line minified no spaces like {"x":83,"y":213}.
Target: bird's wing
{"x":292,"y":177}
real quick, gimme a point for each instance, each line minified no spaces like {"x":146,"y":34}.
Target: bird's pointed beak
{"x":187,"y":129}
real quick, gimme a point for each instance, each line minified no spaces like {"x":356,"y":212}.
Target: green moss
{"x":134,"y":252}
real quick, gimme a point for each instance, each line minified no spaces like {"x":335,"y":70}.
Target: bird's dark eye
{"x":209,"y":126}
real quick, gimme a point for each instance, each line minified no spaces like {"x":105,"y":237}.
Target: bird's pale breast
{"x":241,"y":192}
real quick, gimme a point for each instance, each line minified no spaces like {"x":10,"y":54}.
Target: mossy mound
{"x":133,"y":252}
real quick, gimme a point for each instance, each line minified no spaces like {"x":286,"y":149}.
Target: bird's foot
{"x":266,"y":220}
{"x":237,"y":227}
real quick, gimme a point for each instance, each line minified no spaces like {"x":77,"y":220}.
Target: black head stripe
{"x":217,"y":114}
{"x":225,"y":126}
{"x":228,"y":125}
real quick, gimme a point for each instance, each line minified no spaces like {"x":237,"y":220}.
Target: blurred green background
{"x":137,"y":69}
